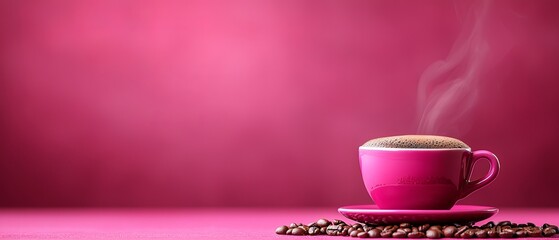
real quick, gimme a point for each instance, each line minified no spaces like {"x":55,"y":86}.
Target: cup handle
{"x":494,"y":167}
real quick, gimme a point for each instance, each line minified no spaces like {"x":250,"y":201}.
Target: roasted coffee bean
{"x":488,"y":225}
{"x":333,"y":230}
{"x":436,"y":227}
{"x":414,"y":229}
{"x":481,"y":233}
{"x":460,"y":231}
{"x":399,"y":234}
{"x":374,"y":233}
{"x":422,"y":228}
{"x":281,"y":230}
{"x":449,"y":231}
{"x":335,"y":227}
{"x":288,"y":232}
{"x":362,"y":235}
{"x":547,"y":225}
{"x":386,"y":234}
{"x":492,"y":233}
{"x":504,"y":223}
{"x":506,"y":233}
{"x":323,"y":230}
{"x":314,"y":230}
{"x":416,"y":235}
{"x":521,"y":233}
{"x":353,"y":233}
{"x":554,"y":227}
{"x":322,"y":222}
{"x":530,"y":224}
{"x":433,"y":233}
{"x":407,"y":230}
{"x":338,"y":222}
{"x":536,"y":232}
{"x":298,"y":231}
{"x":468,"y":233}
{"x":498,"y":229}
{"x":405,"y":225}
{"x":293,"y":225}
{"x":548,"y":232}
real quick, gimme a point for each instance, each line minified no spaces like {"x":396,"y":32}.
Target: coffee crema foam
{"x":415,"y":141}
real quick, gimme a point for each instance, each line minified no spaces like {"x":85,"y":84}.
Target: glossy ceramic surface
{"x":422,"y":178}
{"x":372,"y":214}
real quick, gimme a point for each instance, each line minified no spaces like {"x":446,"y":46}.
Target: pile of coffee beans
{"x":504,"y":229}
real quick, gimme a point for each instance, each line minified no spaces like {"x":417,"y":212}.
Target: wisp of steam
{"x":448,"y":89}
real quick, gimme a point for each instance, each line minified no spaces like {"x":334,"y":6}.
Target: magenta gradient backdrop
{"x":255,"y":103}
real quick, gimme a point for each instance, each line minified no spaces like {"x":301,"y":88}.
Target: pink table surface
{"x":187,"y":223}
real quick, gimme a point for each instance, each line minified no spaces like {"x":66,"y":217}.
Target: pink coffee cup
{"x":422,"y":178}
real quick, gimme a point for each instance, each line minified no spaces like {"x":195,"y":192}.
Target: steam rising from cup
{"x":448,"y":89}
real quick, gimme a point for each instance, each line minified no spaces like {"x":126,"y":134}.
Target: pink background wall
{"x":258,"y":103}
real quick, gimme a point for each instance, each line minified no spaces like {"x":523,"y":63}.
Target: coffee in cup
{"x":421,"y":171}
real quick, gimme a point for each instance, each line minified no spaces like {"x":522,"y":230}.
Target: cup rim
{"x":412,"y":149}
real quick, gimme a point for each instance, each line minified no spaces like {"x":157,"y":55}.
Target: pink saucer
{"x":458,"y":214}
